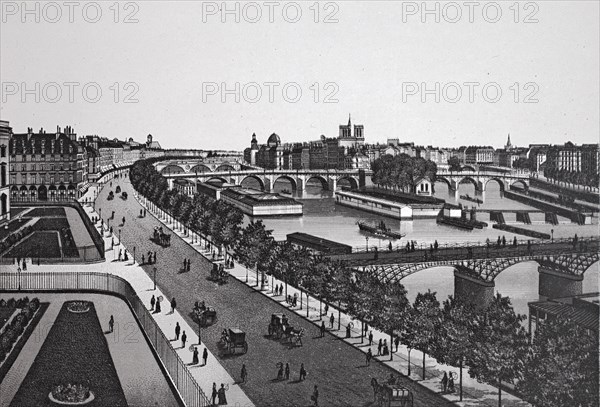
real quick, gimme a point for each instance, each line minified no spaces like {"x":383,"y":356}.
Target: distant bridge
{"x":481,"y":178}
{"x":329,"y":179}
{"x":562,"y":264}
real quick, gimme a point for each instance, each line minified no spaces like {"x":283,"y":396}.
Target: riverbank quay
{"x":336,"y":367}
{"x":474,"y":393}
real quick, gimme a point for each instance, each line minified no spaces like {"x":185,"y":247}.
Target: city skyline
{"x":550,"y":60}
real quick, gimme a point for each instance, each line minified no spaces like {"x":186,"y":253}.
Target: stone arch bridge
{"x":562,"y":264}
{"x":329,"y":179}
{"x":480,"y":179}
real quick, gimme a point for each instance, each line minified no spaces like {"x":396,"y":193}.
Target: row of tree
{"x":402,"y":172}
{"x":559,"y":368}
{"x":585,"y":179}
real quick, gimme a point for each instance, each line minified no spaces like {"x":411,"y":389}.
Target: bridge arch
{"x":443,"y":180}
{"x":287,"y":178}
{"x":353,"y":181}
{"x":321,"y":179}
{"x":521,"y":183}
{"x":468,"y":168}
{"x":498,"y":181}
{"x":172,"y":169}
{"x":261,"y":182}
{"x":471,"y":180}
{"x":224,"y":167}
{"x":199,"y":168}
{"x":213,"y":179}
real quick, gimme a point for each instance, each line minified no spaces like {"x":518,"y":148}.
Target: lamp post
{"x":154,"y":270}
{"x":367,"y":239}
{"x":119,"y":235}
{"x":133,"y":254}
{"x":552,"y":232}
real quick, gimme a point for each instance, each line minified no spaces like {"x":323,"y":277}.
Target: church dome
{"x":274,"y":139}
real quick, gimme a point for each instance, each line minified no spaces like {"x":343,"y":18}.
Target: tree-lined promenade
{"x":490,"y":342}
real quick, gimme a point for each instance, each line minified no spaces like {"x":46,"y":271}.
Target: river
{"x":323,"y":218}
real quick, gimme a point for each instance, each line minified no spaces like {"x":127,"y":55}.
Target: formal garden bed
{"x":16,"y":332}
{"x":73,"y":363}
{"x":39,"y":244}
{"x":43,"y":243}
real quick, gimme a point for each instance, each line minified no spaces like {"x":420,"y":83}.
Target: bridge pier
{"x":332,"y":185}
{"x":555,"y":284}
{"x":471,"y":289}
{"x":170,"y":182}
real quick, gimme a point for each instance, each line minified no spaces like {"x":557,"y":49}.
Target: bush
{"x":5,"y":342}
{"x":2,"y":354}
{"x":11,"y":303}
{"x":20,"y":319}
{"x":22,"y":302}
{"x":3,"y":303}
{"x":28,"y":312}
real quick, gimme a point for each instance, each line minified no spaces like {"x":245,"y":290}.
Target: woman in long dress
{"x":221,"y":394}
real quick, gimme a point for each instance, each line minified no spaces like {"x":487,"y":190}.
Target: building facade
{"x":5,"y":133}
{"x":47,"y":166}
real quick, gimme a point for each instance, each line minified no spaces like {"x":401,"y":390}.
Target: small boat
{"x":471,"y":199}
{"x":379,"y":230}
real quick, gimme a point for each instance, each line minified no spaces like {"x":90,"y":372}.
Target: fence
{"x":188,"y":388}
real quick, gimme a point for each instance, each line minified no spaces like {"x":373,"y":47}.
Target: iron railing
{"x":188,"y":388}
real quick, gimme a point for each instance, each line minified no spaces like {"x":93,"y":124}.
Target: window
{"x":23,"y":167}
{"x":3,"y":150}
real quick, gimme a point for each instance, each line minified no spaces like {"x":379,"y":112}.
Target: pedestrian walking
{"x":444,"y":383}
{"x":369,"y":356}
{"x":183,"y":339}
{"x":195,"y":357}
{"x":379,"y":346}
{"x":326,"y":308}
{"x":287,"y":371}
{"x":295,"y":299}
{"x":204,"y":356}
{"x":244,"y":373}
{"x":173,"y":305}
{"x":184,"y":264}
{"x":177,"y":331}
{"x":157,"y":309}
{"x":120,"y":254}
{"x":515,"y":241}
{"x":111,"y":323}
{"x":213,"y":396}
{"x":302,"y":372}
{"x":315,"y":396}
{"x":331,"y":320}
{"x":370,"y":338}
{"x":221,"y":395}
{"x":24,"y":264}
{"x":152,"y":302}
{"x":143,"y":259}
{"x":322,"y":329}
{"x":154,"y":258}
{"x":189,"y":265}
{"x":450,"y":383}
{"x":397,"y":342}
{"x":123,"y":220}
{"x":412,"y":246}
{"x":348,"y":330}
{"x":503,"y":241}
{"x":125,"y":256}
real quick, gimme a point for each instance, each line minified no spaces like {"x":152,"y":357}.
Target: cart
{"x":208,"y":316}
{"x":394,"y":395}
{"x":219,"y":274}
{"x":236,"y":338}
{"x":276,"y":326}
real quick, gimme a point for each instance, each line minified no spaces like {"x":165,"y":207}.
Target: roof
{"x":317,"y":243}
{"x":253,"y":197}
{"x":580,"y":316}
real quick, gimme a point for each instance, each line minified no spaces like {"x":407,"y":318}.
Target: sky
{"x":207,"y":75}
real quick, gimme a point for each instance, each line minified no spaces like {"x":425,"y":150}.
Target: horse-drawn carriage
{"x":204,"y":315}
{"x":277,"y":326}
{"x":160,"y":237}
{"x":293,"y":335}
{"x":391,"y":395}
{"x":219,"y":274}
{"x":234,"y":338}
